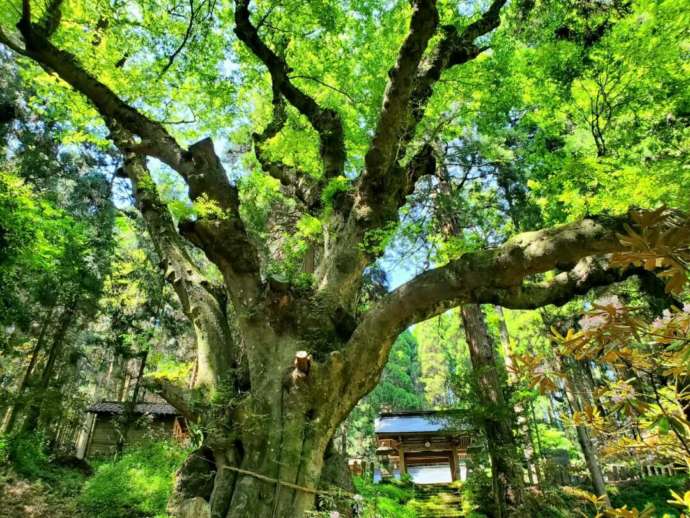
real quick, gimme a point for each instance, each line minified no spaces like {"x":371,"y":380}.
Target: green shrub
{"x":27,"y":455}
{"x":137,"y":484}
{"x":385,"y":500}
{"x":652,"y":490}
{"x":476,"y":493}
{"x":4,"y":449}
{"x":553,"y":503}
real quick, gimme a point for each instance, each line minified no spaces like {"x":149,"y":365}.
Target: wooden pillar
{"x":464,"y":470}
{"x":401,"y":453}
{"x":454,"y":463}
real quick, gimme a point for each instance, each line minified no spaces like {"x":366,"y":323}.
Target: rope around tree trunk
{"x":340,"y":493}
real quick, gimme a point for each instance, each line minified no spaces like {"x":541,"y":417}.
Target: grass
{"x":137,"y":484}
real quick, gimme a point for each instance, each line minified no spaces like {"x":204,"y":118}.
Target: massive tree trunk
{"x":268,"y":449}
{"x":507,"y":475}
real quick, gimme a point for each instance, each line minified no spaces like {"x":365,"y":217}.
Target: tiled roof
{"x":114,"y":407}
{"x":419,"y":422}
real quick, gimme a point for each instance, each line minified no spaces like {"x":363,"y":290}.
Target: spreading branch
{"x":588,"y":274}
{"x":385,"y":183}
{"x":202,"y":302}
{"x":295,"y":182}
{"x":391,"y":121}
{"x":199,"y":165}
{"x":193,"y":13}
{"x":499,"y":275}
{"x":151,"y":137}
{"x":409,"y":90}
{"x":325,"y":121}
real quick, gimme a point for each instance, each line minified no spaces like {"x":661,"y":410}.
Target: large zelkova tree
{"x":282,"y":363}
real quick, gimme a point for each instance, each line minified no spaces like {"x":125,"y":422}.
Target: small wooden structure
{"x":106,"y":428}
{"x":430,"y":446}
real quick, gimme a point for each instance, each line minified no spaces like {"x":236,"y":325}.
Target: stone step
{"x":437,"y":501}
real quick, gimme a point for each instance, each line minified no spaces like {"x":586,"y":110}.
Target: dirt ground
{"x":28,"y":499}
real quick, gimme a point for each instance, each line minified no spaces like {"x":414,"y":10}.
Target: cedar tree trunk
{"x":506,"y":469}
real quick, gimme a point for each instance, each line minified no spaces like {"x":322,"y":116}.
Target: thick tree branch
{"x":385,"y":183}
{"x":455,"y":48}
{"x":588,"y":274}
{"x":175,"y":395}
{"x":51,"y":17}
{"x":384,"y":145}
{"x":494,"y":276}
{"x":11,"y":43}
{"x":325,"y":121}
{"x":151,"y":137}
{"x":199,"y":165}
{"x":296,"y":183}
{"x":218,"y":354}
{"x":378,"y":188}
{"x":154,"y":138}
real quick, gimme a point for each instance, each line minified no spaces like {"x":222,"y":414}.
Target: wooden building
{"x":107,"y":426}
{"x":430,"y":446}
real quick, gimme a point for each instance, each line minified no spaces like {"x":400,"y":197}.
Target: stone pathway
{"x":437,"y":501}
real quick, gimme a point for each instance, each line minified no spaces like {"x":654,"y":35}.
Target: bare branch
{"x":322,"y":83}
{"x":193,"y":13}
{"x":383,"y":148}
{"x":297,"y":183}
{"x":325,"y":121}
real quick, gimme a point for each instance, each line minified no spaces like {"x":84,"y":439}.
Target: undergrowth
{"x":137,"y":484}
{"x":388,"y":500}
{"x":28,"y":457}
{"x":654,"y":491}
